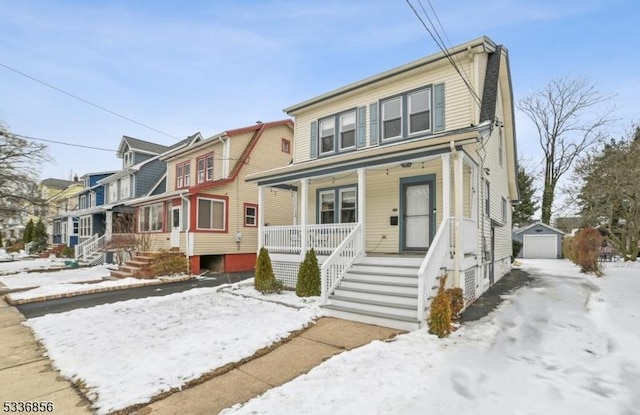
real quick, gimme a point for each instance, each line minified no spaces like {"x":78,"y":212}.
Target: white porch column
{"x":446,"y":186}
{"x":459,"y":200}
{"x":304,"y":201}
{"x":361,"y":205}
{"x":260,"y":216}
{"x":109,"y":225}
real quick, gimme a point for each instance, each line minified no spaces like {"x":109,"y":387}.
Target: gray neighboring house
{"x":539,"y":241}
{"x":143,"y":174}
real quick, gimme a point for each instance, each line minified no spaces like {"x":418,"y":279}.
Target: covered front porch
{"x":422,"y":207}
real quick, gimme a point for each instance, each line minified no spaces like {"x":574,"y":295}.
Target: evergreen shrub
{"x":265,"y":280}
{"x":439,"y":320}
{"x":308,"y":283}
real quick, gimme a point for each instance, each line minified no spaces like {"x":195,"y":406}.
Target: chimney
{"x":75,"y":178}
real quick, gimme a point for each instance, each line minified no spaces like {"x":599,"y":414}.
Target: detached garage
{"x":539,"y":241}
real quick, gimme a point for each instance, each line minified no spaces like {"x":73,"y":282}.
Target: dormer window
{"x":128,"y":159}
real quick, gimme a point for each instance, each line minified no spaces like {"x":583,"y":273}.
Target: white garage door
{"x":540,"y":246}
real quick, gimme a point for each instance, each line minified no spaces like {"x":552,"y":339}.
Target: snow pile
{"x":128,"y":352}
{"x":30,"y":264}
{"x":567,"y":344}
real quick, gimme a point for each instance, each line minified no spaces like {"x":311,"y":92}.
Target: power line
{"x":26,"y":137}
{"x":445,"y":52}
{"x":87,"y":101}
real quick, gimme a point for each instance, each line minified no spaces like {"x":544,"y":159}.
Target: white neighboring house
{"x":401,"y":178}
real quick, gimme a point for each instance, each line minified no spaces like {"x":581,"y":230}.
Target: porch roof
{"x":368,"y":157}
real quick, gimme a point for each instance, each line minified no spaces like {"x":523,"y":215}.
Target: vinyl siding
{"x":458,"y":112}
{"x":278,"y":209}
{"x":148,"y":176}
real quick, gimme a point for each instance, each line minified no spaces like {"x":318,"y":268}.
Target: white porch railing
{"x":324,"y":238}
{"x":334,"y":267}
{"x":438,"y":255}
{"x":93,"y":247}
{"x":79,"y":248}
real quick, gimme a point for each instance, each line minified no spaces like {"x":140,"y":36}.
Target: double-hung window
{"x":204,"y":168}
{"x":250,"y":215}
{"x":183,"y":175}
{"x":327,"y":135}
{"x":85,"y":226}
{"x":337,"y":205}
{"x":348,"y":130}
{"x":406,"y":115}
{"x":83,"y":202}
{"x":211,"y":214}
{"x":392,"y":118}
{"x":419,"y":111}
{"x":113,"y":192}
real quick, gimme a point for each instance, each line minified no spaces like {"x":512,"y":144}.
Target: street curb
{"x":163,"y":280}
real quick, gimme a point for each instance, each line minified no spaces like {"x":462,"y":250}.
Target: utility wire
{"x":88,"y":102}
{"x":446,"y":54}
{"x":26,"y":137}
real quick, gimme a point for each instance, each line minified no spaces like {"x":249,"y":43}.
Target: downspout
{"x":457,"y":234}
{"x":187,"y":245}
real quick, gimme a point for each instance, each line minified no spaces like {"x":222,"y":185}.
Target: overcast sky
{"x":181,"y":67}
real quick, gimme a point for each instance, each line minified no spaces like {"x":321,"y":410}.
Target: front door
{"x":175,"y":227}
{"x":416,"y":213}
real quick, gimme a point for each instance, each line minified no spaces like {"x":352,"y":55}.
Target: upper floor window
{"x":113,"y":192}
{"x":327,"y":129}
{"x":183,"y":175}
{"x":392,"y":118}
{"x":128,"y":159}
{"x":345,"y":139}
{"x":204,"y":168}
{"x":285,"y":146}
{"x":419,"y":111}
{"x":86,"y":182}
{"x":407,"y":114}
{"x":83,"y":202}
{"x":125,"y":188}
{"x":348,"y":130}
{"x":92,"y":199}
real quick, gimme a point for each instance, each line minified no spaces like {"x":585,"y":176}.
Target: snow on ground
{"x":285,"y":297}
{"x":130,"y":351}
{"x":8,"y":267}
{"x":27,"y":279}
{"x":566,"y":344}
{"x":70,"y":288}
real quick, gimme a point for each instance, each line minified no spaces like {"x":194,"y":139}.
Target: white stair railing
{"x":94,"y":246}
{"x":335,"y":267}
{"x":79,"y":248}
{"x":439,"y":254}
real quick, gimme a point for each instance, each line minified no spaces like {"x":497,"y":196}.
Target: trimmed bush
{"x":439,"y":320}
{"x":587,"y":249}
{"x":28,"y":232}
{"x":456,"y":301}
{"x":169,"y":263}
{"x":309,"y":276}
{"x":516,"y":246}
{"x":265,"y":280}
{"x":67,"y":252}
{"x":39,"y":237}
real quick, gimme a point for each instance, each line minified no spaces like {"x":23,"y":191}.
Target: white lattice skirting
{"x":286,"y":272}
{"x":469,"y":285}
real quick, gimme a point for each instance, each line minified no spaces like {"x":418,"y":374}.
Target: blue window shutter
{"x":314,"y":140}
{"x":361,"y":139}
{"x":438,"y":107}
{"x":373,"y":123}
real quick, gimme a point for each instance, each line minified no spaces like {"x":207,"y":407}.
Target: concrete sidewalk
{"x":26,"y":374}
{"x":326,"y":338}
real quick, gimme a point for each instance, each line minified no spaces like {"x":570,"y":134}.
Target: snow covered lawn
{"x":27,"y":279}
{"x":9,"y":267}
{"x":126,"y":353}
{"x":567,"y":344}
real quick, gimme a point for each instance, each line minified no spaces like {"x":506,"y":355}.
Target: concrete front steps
{"x":138,"y":267}
{"x":381,"y":291}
